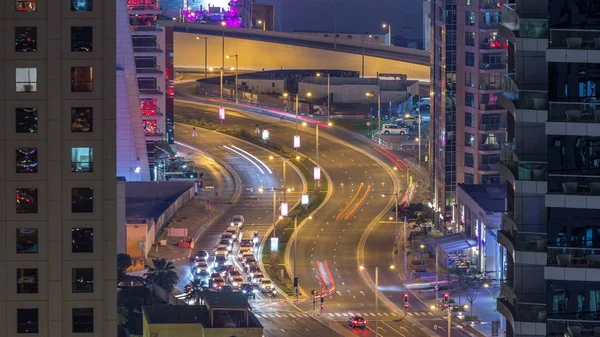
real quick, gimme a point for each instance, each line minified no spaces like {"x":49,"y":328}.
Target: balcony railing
{"x":491,"y":45}
{"x":523,"y":170}
{"x":584,"y":324}
{"x":149,"y":70}
{"x":150,"y":90}
{"x":510,"y":18}
{"x":488,"y":167}
{"x":489,"y":147}
{"x":574,"y":112}
{"x":490,"y":107}
{"x":509,"y":86}
{"x":523,"y":99}
{"x":574,"y":184}
{"x":574,"y":39}
{"x":491,"y":4}
{"x":531,"y":242}
{"x":152,"y":112}
{"x":151,"y":48}
{"x":490,"y":86}
{"x":574,"y":257}
{"x":511,"y":153}
{"x":147,"y":7}
{"x":145,"y":28}
{"x":492,"y":66}
{"x":533,"y":28}
{"x":492,"y":127}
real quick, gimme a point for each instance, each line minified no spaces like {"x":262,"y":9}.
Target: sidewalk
{"x":484,"y":306}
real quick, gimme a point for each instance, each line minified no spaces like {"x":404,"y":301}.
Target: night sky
{"x":353,"y":16}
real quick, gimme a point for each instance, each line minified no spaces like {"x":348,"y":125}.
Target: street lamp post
{"x":222,"y":56}
{"x":392,"y":267}
{"x":205,"y":54}
{"x":263,"y":24}
{"x":389,"y":27}
{"x":328,"y":94}
{"x":236,"y":75}
{"x":370,"y":95}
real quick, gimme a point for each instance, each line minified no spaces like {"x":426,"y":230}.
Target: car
{"x":410,"y":119}
{"x":202,"y":254}
{"x":227,"y":236}
{"x":226,"y":242}
{"x":220,"y":259}
{"x":243,"y":253}
{"x":227,"y":289}
{"x":248,"y":260}
{"x":393,"y":129}
{"x":266,"y":286}
{"x":357,"y":322}
{"x":237,"y":220}
{"x":234,"y":273}
{"x":217,"y":283}
{"x":233,"y":230}
{"x":202,"y":268}
{"x":256,"y":277}
{"x":224,"y":270}
{"x":222,"y":250}
{"x":236,"y":282}
{"x":247,"y":289}
{"x":246,"y":243}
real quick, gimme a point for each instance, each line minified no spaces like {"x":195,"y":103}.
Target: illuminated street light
{"x":304,"y":124}
{"x":389,"y":27}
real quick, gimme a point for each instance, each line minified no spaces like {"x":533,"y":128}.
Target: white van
{"x":393,"y":129}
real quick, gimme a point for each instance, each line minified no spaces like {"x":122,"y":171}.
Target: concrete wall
{"x":353,"y":93}
{"x":262,"y":86}
{"x":258,"y":55}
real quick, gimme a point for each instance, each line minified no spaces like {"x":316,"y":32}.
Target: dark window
{"x":470,"y":38}
{"x":82,"y":120}
{"x":82,"y":280}
{"x":81,"y":5}
{"x":26,"y":160}
{"x":82,"y":200}
{"x":82,"y":39}
{"x":27,"y":200}
{"x":469,"y":120}
{"x":469,"y":160}
{"x":27,"y":240}
{"x":82,"y":159}
{"x":27,"y":281}
{"x":25,"y":39}
{"x":470,"y":18}
{"x":490,"y":179}
{"x":25,"y":5}
{"x":469,"y":99}
{"x":469,"y":139}
{"x":469,"y":59}
{"x":81,"y":79}
{"x":469,"y":179}
{"x":83,"y":320}
{"x":145,"y":62}
{"x":26,"y":120}
{"x":27,"y":321}
{"x":82,"y":240}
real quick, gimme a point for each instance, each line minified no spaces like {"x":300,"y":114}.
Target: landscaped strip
{"x":285,"y":226}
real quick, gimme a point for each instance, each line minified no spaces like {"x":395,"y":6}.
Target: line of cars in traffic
{"x":219,"y":273}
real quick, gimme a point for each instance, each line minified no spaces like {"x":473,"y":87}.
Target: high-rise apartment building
{"x":58,"y":172}
{"x":550,"y":234}
{"x":467,"y":124}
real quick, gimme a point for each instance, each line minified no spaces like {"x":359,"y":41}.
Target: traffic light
{"x":446,"y":298}
{"x":406,"y":300}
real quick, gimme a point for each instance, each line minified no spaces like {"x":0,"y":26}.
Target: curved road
{"x":335,"y":231}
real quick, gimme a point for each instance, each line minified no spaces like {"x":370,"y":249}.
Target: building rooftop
{"x":149,"y":199}
{"x":220,"y":300}
{"x":491,"y":198}
{"x":385,"y":85}
{"x":296,"y":74}
{"x":176,"y":314}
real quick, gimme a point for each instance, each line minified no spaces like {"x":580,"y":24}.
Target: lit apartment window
{"x":25,"y":5}
{"x":27,"y":281}
{"x":26,"y":79}
{"x":27,"y":321}
{"x":82,"y":280}
{"x":82,"y":159}
{"x":82,"y":200}
{"x":27,"y":240}
{"x":82,"y":240}
{"x":82,"y":120}
{"x":81,"y":39}
{"x":27,"y":200}
{"x":81,"y":79}
{"x":25,"y":39}
{"x":83,"y":320}
{"x":26,"y":160}
{"x":81,"y":5}
{"x":26,"y":120}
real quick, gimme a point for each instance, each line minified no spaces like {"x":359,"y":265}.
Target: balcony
{"x":492,"y":66}
{"x":512,"y":98}
{"x":492,"y":127}
{"x":489,"y":86}
{"x":487,"y":5}
{"x":534,"y":26}
{"x":510,"y":18}
{"x":488,"y":167}
{"x":152,"y":112}
{"x":524,"y":242}
{"x":490,"y":107}
{"x":145,"y":28}
{"x":574,"y":112}
{"x":584,"y":324}
{"x":147,"y":49}
{"x":574,"y":257}
{"x":489,"y":147}
{"x":526,"y":318}
{"x":494,"y":45}
{"x":485,"y":25}
{"x":150,"y":70}
{"x":150,"y":91}
{"x":578,"y":189}
{"x":574,"y":39}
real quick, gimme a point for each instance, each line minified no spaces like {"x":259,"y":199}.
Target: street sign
{"x":284,"y":209}
{"x":274,"y":245}
{"x":305,"y":199}
{"x":317,"y":173}
{"x":221,"y":113}
{"x":296,"y":142}
{"x":265,"y":134}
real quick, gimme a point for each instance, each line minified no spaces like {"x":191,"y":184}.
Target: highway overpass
{"x":259,"y":50}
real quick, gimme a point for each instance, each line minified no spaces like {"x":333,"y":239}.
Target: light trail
{"x":245,"y":157}
{"x":253,"y":156}
{"x":397,"y":158}
{"x":350,"y":203}
{"x":390,"y":158}
{"x":359,"y":203}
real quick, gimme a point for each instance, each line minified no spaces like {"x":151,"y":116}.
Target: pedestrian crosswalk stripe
{"x":431,"y":314}
{"x":338,"y":314}
{"x":393,"y":314}
{"x":385,"y":314}
{"x":276,"y":315}
{"x":284,"y":315}
{"x":330,"y":314}
{"x":304,"y":315}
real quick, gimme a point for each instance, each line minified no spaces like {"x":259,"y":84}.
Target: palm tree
{"x":163,"y":274}
{"x":196,"y":287}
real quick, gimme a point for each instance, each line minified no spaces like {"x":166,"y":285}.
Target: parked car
{"x":393,"y":129}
